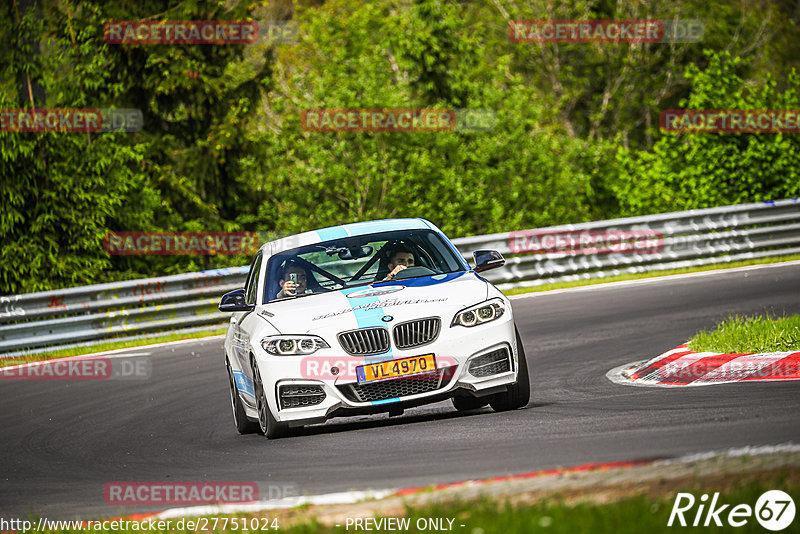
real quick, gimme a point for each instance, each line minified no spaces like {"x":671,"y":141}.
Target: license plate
{"x":425,"y":363}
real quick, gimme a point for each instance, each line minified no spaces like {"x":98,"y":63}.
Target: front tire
{"x":269,"y":426}
{"x":517,"y":395}
{"x":243,"y":424}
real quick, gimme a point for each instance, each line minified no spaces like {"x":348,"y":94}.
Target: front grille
{"x":397,"y":387}
{"x":365,"y":341}
{"x":416,"y":333}
{"x":297,"y":396}
{"x":492,"y":363}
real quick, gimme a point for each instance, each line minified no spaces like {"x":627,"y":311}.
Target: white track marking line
{"x":345,"y":497}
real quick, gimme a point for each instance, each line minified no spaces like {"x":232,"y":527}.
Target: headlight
{"x":480,"y":313}
{"x":289,"y":345}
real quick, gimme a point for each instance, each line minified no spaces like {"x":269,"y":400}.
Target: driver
{"x":400,"y":257}
{"x":288,"y":287}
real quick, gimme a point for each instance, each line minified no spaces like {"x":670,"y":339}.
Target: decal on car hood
{"x":374,"y":292}
{"x":334,"y":311}
{"x":376,"y":306}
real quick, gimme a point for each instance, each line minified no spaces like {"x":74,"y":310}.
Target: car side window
{"x":252,"y":281}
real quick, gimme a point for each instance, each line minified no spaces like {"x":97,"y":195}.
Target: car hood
{"x":373,"y":305}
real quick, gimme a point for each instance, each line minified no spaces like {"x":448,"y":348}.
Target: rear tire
{"x":517,"y":395}
{"x":240,"y":420}
{"x":467,"y":403}
{"x":271,"y":428}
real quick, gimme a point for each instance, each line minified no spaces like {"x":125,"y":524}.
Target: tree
{"x":62,"y":192}
{"x":699,"y":170}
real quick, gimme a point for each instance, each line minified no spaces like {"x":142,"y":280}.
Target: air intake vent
{"x":492,"y":363}
{"x":395,"y":388}
{"x":300,"y":395}
{"x":416,"y":333}
{"x":365,"y":341}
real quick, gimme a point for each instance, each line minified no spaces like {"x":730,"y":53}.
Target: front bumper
{"x":304,"y":390}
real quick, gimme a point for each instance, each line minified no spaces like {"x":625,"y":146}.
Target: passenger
{"x":288,"y":287}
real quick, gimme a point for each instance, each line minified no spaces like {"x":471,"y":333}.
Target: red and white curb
{"x":683,"y":367}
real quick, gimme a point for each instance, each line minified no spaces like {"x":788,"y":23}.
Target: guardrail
{"x":669,"y":241}
{"x":75,"y":316}
{"x":91,"y":314}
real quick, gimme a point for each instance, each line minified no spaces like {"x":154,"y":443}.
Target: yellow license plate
{"x":425,"y":363}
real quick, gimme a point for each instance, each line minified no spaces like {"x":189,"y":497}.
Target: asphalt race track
{"x":63,"y":441}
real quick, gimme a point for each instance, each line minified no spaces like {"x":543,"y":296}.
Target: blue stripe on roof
{"x":384,"y":226}
{"x":334,"y":232}
{"x":369,"y":227}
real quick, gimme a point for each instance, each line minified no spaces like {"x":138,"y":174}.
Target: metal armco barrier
{"x":101,"y":311}
{"x":682,"y":239}
{"x":533,"y":257}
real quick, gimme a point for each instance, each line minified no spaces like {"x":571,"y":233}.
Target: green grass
{"x":110,"y":345}
{"x":635,"y":514}
{"x":750,"y":334}
{"x":652,"y":274}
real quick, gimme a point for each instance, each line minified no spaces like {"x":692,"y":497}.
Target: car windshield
{"x":361,"y":260}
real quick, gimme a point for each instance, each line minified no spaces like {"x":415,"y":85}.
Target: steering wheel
{"x":411,"y":272}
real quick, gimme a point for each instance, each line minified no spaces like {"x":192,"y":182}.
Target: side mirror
{"x":487,"y":259}
{"x":233,"y":302}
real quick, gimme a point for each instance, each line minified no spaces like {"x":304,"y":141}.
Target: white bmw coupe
{"x":367,"y":318}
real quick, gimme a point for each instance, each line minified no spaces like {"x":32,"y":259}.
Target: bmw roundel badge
{"x":386,"y":318}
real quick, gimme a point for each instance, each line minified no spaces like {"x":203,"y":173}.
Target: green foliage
{"x":699,"y":170}
{"x":61,"y":189}
{"x":526,"y":171}
{"x":62,"y":192}
{"x":738,"y":334}
{"x":615,"y":91}
{"x":222,"y":147}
